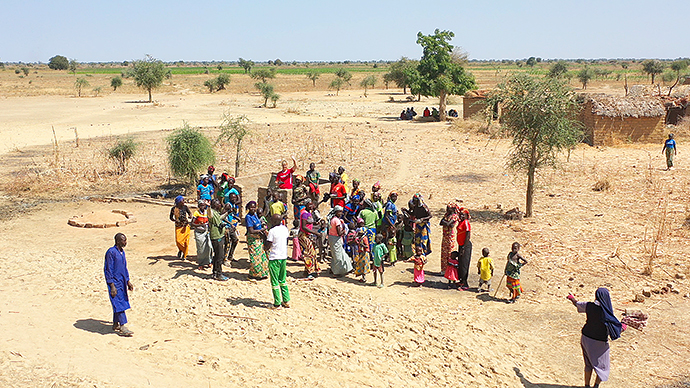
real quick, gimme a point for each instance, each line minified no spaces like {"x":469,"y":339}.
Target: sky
{"x":306,"y":30}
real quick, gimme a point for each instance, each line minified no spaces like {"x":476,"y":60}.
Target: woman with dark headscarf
{"x":420,"y":217}
{"x":449,"y":222}
{"x":181,"y":215}
{"x":308,"y":236}
{"x":600,"y":326}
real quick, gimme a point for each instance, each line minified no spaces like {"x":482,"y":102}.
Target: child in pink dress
{"x":452,"y":269}
{"x":419,"y":260}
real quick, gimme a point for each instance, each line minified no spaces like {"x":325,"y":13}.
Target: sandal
{"x":122,"y":331}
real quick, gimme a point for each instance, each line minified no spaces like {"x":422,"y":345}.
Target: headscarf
{"x":355,"y":180}
{"x":359,"y":219}
{"x":376,"y":185}
{"x":201,"y":202}
{"x":179,"y":199}
{"x":332,"y":176}
{"x":299,"y":178}
{"x":337,"y":208}
{"x":455,"y":206}
{"x":355,"y":198}
{"x":392,"y":193}
{"x":211,"y":168}
{"x":613,"y":325}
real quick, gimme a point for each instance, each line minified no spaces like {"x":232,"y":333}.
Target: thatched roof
{"x":616,"y":106}
{"x":480,"y":93}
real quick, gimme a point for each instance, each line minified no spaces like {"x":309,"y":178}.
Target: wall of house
{"x":471,"y":106}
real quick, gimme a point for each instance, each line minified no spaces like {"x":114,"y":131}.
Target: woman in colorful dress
{"x":361,"y":252}
{"x":201,"y":235}
{"x":181,"y":215}
{"x":307,"y":240}
{"x":258,"y":261}
{"x":340,"y":261}
{"x":464,"y":231}
{"x":420,"y":216}
{"x":449,"y":223}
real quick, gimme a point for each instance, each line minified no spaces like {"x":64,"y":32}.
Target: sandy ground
{"x":193,"y":331}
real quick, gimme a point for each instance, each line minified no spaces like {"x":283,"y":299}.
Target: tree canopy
{"x":558,"y":69}
{"x":439,"y":74}
{"x":58,"y":62}
{"x":148,"y":73}
{"x":246,"y":65}
{"x":399,"y":73}
{"x":652,"y":67}
{"x":263,"y":74}
{"x":539,"y":114}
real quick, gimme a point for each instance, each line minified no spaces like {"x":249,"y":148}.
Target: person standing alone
{"x":276,"y":245}
{"x":117,"y":279}
{"x":670,"y":150}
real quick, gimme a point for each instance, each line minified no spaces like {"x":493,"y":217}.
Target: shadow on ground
{"x":97,"y":326}
{"x":528,"y":384}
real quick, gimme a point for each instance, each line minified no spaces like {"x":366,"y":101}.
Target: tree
{"x":189,"y":151}
{"x":387,"y":79}
{"x":337,"y":84}
{"x":263,"y":74}
{"x":539,"y":114}
{"x":558,"y":69}
{"x":652,"y":67}
{"x":58,"y":62}
{"x":274,"y":98}
{"x":439,"y":75}
{"x":97,"y":90}
{"x":313,"y":75}
{"x":122,"y":152}
{"x":678,"y":66}
{"x":73,"y":66}
{"x":246,"y":65}
{"x":343,"y":74}
{"x":278,"y":62}
{"x":25,"y":70}
{"x":79,"y":84}
{"x":585,"y":75}
{"x":266,"y":91}
{"x":399,"y":72}
{"x":368,"y":82}
{"x":116,"y":82}
{"x":222,"y":80}
{"x":233,"y":130}
{"x":531,"y":61}
{"x":148,"y":73}
{"x":211,"y":85}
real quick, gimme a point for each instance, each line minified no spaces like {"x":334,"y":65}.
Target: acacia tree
{"x":73,"y":66}
{"x":313,"y":75}
{"x":233,"y":130}
{"x":399,"y":73}
{"x":344,"y":75}
{"x":558,"y":69}
{"x":652,"y":67}
{"x":266,"y":91}
{"x":337,"y":84}
{"x":58,"y":62}
{"x":539,"y":114}
{"x":148,"y":73}
{"x":585,"y":75}
{"x":116,"y":82}
{"x":80,"y":84}
{"x":263,"y":74}
{"x":678,"y":66}
{"x":368,"y":82}
{"x":439,"y":75}
{"x":246,"y":65}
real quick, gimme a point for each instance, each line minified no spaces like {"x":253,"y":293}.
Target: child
{"x":296,"y":249}
{"x":452,"y":270}
{"x":379,"y":252}
{"x":512,"y":272}
{"x":485,"y":269}
{"x":360,"y":252}
{"x":419,"y":260}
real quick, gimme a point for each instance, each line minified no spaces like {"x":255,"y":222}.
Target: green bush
{"x":189,"y":152}
{"x":116,"y":82}
{"x":122,"y":152}
{"x":58,"y":62}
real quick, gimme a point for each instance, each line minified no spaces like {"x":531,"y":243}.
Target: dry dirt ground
{"x":193,"y":331}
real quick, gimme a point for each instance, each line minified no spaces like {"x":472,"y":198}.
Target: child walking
{"x":512,"y":272}
{"x":485,"y":269}
{"x":380,"y":251}
{"x":451,"y":272}
{"x":419,"y":259}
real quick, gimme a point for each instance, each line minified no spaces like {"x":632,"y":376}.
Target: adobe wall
{"x":603,"y":130}
{"x":471,"y":106}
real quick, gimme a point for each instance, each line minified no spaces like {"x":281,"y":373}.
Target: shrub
{"x":116,"y":82}
{"x":122,"y":152}
{"x":211,"y":84}
{"x":25,"y":70}
{"x":189,"y":151}
{"x":97,"y":90}
{"x":222,"y":80}
{"x":79,"y":84}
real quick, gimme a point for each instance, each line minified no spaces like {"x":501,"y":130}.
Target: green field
{"x":184,"y":70}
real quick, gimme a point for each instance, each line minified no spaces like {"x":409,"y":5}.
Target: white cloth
{"x":278,"y":236}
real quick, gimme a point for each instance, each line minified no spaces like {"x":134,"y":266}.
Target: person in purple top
{"x":117,"y":279}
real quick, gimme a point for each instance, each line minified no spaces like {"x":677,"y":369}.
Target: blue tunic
{"x":391,"y":214}
{"x":115,"y":270}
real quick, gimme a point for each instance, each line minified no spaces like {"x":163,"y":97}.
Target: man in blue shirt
{"x":117,"y":279}
{"x":670,"y":149}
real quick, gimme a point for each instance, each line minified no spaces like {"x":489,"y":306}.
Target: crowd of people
{"x":352,"y":231}
{"x":409,"y":113}
{"x":359,"y":232}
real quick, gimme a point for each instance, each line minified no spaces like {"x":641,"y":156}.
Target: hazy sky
{"x":305,"y":30}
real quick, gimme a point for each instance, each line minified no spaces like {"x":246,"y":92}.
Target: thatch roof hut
{"x":615,"y":119}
